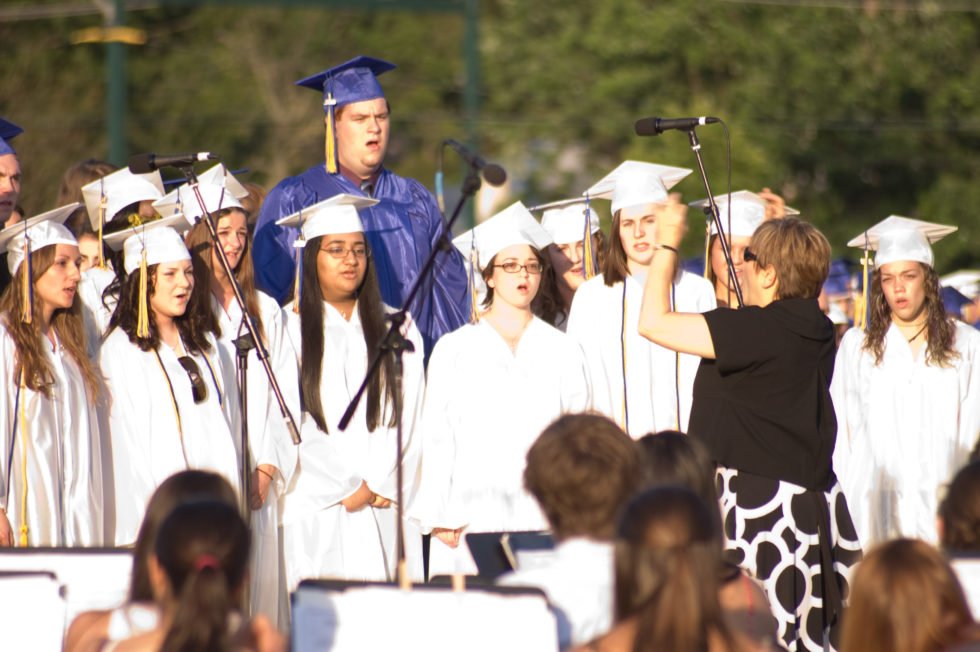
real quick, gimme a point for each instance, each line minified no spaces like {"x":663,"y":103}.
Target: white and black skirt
{"x":787,"y":537}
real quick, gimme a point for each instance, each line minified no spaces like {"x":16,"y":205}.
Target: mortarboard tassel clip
{"x":143,"y":316}
{"x":589,"y":261}
{"x":331,"y":146}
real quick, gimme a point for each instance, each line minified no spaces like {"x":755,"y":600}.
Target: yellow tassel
{"x":23,"y":462}
{"x":143,"y":318}
{"x":27,"y":296}
{"x":588,"y":255}
{"x":299,"y":282}
{"x":861,"y":305}
{"x":474,"y":299}
{"x":707,"y":246}
{"x":102,"y":209}
{"x":331,"y":153}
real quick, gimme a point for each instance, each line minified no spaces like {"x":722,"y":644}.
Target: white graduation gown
{"x":93,"y":283}
{"x":484,"y":407}
{"x":903,"y":429}
{"x":321,"y":538}
{"x":656,"y":379}
{"x":147,"y":444}
{"x":269,"y":441}
{"x":63,"y":462}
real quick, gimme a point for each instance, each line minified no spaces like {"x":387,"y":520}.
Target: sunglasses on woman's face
{"x":749,"y":256}
{"x":198,"y":387}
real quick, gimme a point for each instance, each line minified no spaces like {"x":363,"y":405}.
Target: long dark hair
{"x":666,"y":567}
{"x":371,"y":311}
{"x":200,"y":244}
{"x":202,"y":547}
{"x":175,"y":490}
{"x":29,"y":343}
{"x":614,"y":265}
{"x":190,"y":325}
{"x":940,"y":327}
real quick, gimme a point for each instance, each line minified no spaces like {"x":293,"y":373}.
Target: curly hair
{"x":29,"y":342}
{"x":190,"y":325}
{"x":940,"y":327}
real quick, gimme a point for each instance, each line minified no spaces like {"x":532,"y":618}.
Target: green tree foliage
{"x":851,"y":113}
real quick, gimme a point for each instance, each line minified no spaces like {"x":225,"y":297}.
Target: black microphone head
{"x":494,"y":174}
{"x":647,"y":127}
{"x":141,"y":163}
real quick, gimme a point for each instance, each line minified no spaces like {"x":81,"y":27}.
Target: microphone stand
{"x":243,"y":348}
{"x":713,"y":208}
{"x":395,"y":344}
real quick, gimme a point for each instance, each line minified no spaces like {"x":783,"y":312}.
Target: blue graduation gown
{"x":401,"y":231}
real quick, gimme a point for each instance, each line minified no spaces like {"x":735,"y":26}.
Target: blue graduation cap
{"x":954,"y":300}
{"x":7,"y":131}
{"x":353,"y":81}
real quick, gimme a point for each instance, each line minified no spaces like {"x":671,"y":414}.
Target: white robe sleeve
{"x":968,"y":344}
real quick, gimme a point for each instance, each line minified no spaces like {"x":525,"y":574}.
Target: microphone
{"x":493,"y":173}
{"x":656,"y":126}
{"x":143,"y":163}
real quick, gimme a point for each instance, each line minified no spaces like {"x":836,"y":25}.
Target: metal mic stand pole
{"x":245,"y":484}
{"x":394,"y":343}
{"x":696,"y":148}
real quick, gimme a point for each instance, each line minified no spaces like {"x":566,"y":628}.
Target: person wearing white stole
{"x":906,"y":390}
{"x":50,"y":468}
{"x":174,"y":403}
{"x":576,"y":253}
{"x":640,"y":385}
{"x":339,"y":514}
{"x":108,"y":200}
{"x":272,"y":454}
{"x":492,"y":387}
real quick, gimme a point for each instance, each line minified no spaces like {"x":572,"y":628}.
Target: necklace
{"x":919,"y":332}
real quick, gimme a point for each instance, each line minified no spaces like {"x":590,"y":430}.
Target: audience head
{"x":959,"y":512}
{"x":198,"y":570}
{"x":666,"y":569}
{"x":672,"y":458}
{"x":582,"y":469}
{"x":175,"y":490}
{"x":904,"y":598}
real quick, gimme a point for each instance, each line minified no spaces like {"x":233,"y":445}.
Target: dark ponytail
{"x":203,"y":549}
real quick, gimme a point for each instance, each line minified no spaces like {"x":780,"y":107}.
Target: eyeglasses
{"x":340,"y":253}
{"x":749,"y":256}
{"x":198,"y":387}
{"x":512,"y":267}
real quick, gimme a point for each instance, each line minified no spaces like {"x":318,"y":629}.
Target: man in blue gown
{"x":401,"y":230}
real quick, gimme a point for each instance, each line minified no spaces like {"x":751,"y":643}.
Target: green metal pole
{"x":471,"y":90}
{"x":116,"y":90}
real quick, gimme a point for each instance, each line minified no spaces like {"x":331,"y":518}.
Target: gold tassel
{"x":331,"y":153}
{"x":588,"y":255}
{"x":861,"y":305}
{"x":27,"y":296}
{"x":474,"y":300}
{"x":707,"y":246}
{"x":299,"y":279}
{"x":143,"y":317}
{"x":23,"y":462}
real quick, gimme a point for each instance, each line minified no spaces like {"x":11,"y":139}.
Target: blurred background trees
{"x":853,"y":110}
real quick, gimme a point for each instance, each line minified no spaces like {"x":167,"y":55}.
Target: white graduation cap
{"x":36,"y":232}
{"x":565,"y":220}
{"x":513,"y":225}
{"x":182,"y":200}
{"x":160,"y":238}
{"x":220,"y":176}
{"x":118,"y":190}
{"x":338,"y":214}
{"x":637,"y":182}
{"x":748,"y":212}
{"x":901,"y":238}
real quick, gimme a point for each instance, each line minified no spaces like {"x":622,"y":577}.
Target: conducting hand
{"x":775,"y":205}
{"x":672,"y":222}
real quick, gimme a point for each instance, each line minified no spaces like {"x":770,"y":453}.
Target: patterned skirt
{"x":787,"y":536}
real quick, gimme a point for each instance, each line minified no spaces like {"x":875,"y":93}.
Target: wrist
{"x":666,"y":247}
